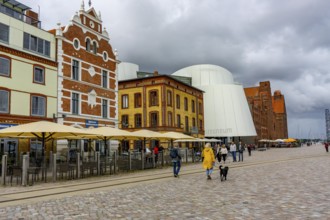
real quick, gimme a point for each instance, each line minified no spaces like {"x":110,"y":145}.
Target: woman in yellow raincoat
{"x":209,"y":160}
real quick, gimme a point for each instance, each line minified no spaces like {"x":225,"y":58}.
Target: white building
{"x":226,"y":111}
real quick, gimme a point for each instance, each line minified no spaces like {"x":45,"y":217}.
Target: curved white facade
{"x":226,"y":111}
{"x":127,"y":71}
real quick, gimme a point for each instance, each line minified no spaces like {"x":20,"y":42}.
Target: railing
{"x":30,"y":170}
{"x":15,"y":14}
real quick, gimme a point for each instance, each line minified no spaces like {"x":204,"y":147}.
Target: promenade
{"x":274,"y":184}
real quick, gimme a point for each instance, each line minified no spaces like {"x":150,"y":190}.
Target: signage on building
{"x":2,"y":126}
{"x":92,"y":123}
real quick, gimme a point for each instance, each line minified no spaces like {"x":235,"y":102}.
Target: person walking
{"x":209,"y":160}
{"x":249,"y":149}
{"x":224,"y":153}
{"x":241,"y":149}
{"x":233,"y":149}
{"x":156,"y":152}
{"x":218,"y":153}
{"x":176,"y":160}
{"x":326,"y":145}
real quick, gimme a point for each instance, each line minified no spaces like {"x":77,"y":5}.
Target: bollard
{"x":51,"y":160}
{"x":129,"y":160}
{"x":4,"y":169}
{"x":186,"y":155}
{"x":163,"y":158}
{"x":142,"y":160}
{"x":115,"y":162}
{"x":25,"y":163}
{"x":78,"y":166}
{"x":98,"y":163}
{"x":54,"y":166}
{"x":153,"y":159}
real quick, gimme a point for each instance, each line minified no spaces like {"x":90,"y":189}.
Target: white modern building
{"x":226,"y":111}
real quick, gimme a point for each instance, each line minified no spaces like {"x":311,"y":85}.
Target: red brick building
{"x":87,"y":82}
{"x":281,"y":124}
{"x":268,"y":112}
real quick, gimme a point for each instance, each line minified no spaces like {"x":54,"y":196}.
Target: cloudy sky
{"x":284,"y":42}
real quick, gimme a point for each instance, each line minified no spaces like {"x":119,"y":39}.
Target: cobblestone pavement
{"x":294,"y":189}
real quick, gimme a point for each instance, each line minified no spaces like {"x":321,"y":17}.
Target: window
{"x":137,"y":100}
{"x":124,"y":101}
{"x":104,"y":108}
{"x":153,"y":119}
{"x":201,"y":125}
{"x":4,"y":66}
{"x":169,"y":98}
{"x":35,"y":148}
{"x":4,"y":101}
{"x":94,"y":47}
{"x":178,"y":121}
{"x":75,"y":103}
{"x":193,"y":122}
{"x":38,"y":105}
{"x":39,"y":75}
{"x":169,"y":119}
{"x":153,"y":95}
{"x":76,"y":44}
{"x":138,"y":120}
{"x":200,"y":108}
{"x":105,"y":56}
{"x":36,"y":44}
{"x":186,"y":120}
{"x":185,"y":104}
{"x":192,"y":105}
{"x":88,"y":45}
{"x":124,"y":121}
{"x":75,"y":69}
{"x":104,"y":79}
{"x":4,"y":33}
{"x":177,"y":101}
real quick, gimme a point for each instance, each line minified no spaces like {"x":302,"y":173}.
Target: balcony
{"x":16,"y":14}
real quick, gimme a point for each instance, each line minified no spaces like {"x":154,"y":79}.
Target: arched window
{"x":94,"y":47}
{"x":88,"y":45}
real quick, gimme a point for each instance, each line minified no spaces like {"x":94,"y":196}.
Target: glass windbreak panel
{"x":35,"y":152}
{"x":4,"y":101}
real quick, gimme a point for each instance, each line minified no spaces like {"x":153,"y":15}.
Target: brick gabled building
{"x":268,"y":112}
{"x":87,"y":82}
{"x":281,"y":125}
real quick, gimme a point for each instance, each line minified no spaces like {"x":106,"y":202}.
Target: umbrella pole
{"x":105,"y":146}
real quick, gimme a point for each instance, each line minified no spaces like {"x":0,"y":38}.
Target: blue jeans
{"x":233,"y":153}
{"x":240,"y":156}
{"x":176,"y":167}
{"x":209,"y":171}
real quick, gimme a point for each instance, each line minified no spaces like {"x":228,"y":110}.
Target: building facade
{"x":28,"y":74}
{"x":160,"y":103}
{"x":268,"y":112}
{"x":280,"y":118}
{"x":87,"y":82}
{"x":227,"y":114}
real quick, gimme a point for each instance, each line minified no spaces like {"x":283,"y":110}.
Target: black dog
{"x":223,"y":172}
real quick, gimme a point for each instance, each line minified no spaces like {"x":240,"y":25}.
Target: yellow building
{"x":28,"y":75}
{"x":160,"y":103}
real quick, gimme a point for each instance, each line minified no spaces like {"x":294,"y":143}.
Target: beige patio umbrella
{"x":145,"y":134}
{"x":43,"y":130}
{"x":176,"y":135}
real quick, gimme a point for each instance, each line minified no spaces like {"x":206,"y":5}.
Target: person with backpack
{"x":176,"y":160}
{"x":209,"y":160}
